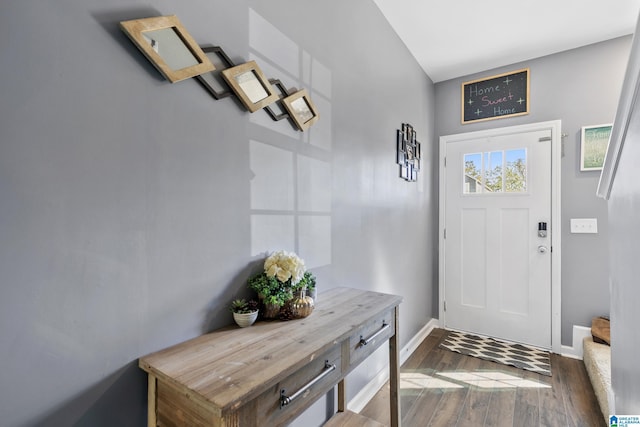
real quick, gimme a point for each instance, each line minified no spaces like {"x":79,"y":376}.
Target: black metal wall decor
{"x":282,"y":113}
{"x":409,"y":152}
{"x":166,"y":43}
{"x":213,"y":81}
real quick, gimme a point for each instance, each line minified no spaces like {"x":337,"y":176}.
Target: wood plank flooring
{"x":442,"y":388}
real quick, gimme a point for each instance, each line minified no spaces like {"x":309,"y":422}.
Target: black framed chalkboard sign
{"x":496,"y":97}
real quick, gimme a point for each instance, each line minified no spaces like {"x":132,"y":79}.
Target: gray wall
{"x":580,"y":87}
{"x":133,"y":210}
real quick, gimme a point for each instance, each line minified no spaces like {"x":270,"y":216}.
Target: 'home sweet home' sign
{"x":496,"y":97}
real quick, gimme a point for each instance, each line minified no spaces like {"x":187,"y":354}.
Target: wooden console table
{"x":269,"y":373}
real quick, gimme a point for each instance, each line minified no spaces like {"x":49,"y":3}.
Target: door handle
{"x":542,"y":249}
{"x":384,"y":327}
{"x":286,"y":400}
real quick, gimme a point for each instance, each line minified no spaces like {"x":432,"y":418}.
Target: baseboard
{"x":417,"y":339}
{"x":575,"y":351}
{"x":363,"y":397}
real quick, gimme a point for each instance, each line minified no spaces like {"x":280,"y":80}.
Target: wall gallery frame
{"x":409,"y":152}
{"x":170,"y":48}
{"x":594,"y":141}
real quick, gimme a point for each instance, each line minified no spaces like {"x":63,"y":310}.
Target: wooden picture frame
{"x":250,"y":85}
{"x":301,"y":109}
{"x":594,"y":141}
{"x":170,"y":48}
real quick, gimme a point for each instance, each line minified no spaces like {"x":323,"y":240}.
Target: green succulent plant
{"x":241,"y":305}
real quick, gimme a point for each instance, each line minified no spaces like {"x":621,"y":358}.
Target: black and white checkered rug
{"x":518,"y":355}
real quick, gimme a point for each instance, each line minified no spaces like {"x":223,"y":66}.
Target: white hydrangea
{"x":284,"y":266}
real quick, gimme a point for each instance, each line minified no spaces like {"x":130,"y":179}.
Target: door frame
{"x":556,"y":221}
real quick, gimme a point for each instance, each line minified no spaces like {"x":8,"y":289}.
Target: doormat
{"x":518,"y":355}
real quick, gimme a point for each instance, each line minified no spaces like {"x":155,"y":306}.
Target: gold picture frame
{"x":250,"y":85}
{"x":301,"y":109}
{"x":170,"y":48}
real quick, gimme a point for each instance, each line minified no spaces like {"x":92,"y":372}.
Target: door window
{"x":495,"y":172}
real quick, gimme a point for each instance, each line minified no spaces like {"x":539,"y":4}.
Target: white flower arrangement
{"x":284,"y":273}
{"x":285,"y":265}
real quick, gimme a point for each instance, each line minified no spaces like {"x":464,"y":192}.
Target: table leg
{"x":394,"y":376}
{"x":152,"y":414}
{"x":342,"y":396}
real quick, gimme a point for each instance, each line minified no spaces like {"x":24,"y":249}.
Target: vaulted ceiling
{"x":459,"y":37}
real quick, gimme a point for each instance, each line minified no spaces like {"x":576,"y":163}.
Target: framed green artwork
{"x":593,"y":146}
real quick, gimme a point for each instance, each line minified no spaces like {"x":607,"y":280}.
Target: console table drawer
{"x":284,"y":401}
{"x":370,"y":336}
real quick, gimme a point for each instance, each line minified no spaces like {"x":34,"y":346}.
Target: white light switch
{"x":584,"y":225}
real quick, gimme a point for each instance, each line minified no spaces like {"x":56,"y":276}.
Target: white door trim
{"x":556,"y":255}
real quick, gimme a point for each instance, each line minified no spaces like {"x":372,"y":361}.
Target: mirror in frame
{"x":301,"y":109}
{"x":170,"y":48}
{"x":250,"y":85}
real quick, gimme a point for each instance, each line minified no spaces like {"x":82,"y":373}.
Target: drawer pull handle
{"x":285,"y":400}
{"x":385,"y":326}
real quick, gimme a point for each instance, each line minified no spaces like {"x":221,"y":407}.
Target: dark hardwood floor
{"x":441,"y":388}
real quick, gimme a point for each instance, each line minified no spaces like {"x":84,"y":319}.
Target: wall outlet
{"x":584,"y":225}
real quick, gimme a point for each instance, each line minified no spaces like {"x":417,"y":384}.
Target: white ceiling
{"x":455,"y":38}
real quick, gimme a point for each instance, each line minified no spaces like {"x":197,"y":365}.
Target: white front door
{"x":497,"y":266}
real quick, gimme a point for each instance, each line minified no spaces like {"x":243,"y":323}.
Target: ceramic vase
{"x":245,"y":319}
